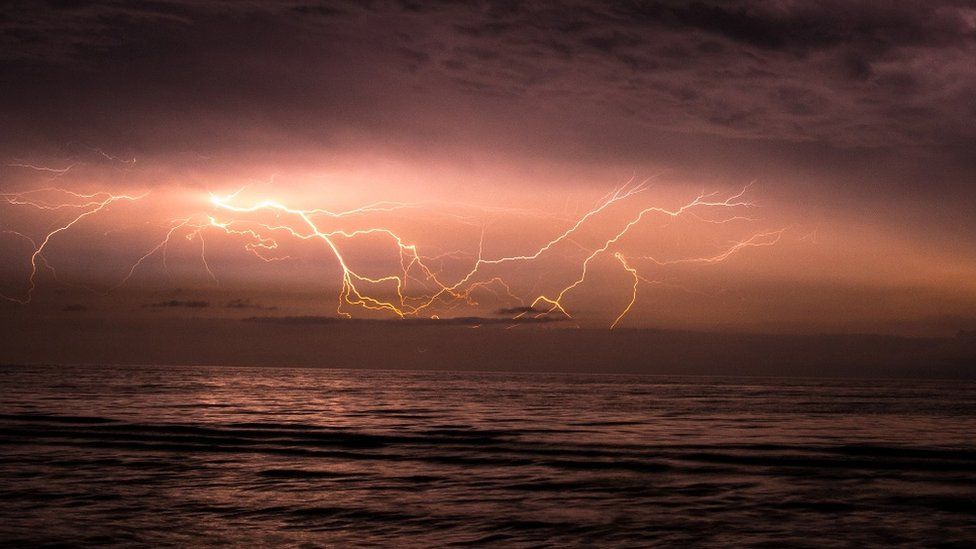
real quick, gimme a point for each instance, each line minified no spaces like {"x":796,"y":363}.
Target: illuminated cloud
{"x":854,"y":116}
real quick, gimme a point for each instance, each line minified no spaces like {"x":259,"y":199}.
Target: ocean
{"x":182,"y":456}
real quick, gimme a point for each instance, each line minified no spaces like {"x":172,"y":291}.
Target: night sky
{"x":849,"y":124}
{"x":425,"y":273}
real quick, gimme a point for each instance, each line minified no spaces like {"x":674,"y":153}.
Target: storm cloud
{"x":145,"y":77}
{"x":853,"y":116}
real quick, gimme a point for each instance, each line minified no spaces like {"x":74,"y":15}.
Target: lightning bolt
{"x":93,"y":207}
{"x":419,"y":285}
{"x":58,"y":172}
{"x":702,"y":201}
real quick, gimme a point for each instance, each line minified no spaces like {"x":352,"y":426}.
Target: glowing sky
{"x":493,"y":128}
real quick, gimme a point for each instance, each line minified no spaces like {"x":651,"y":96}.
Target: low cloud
{"x":243,"y":303}
{"x":454,"y":321}
{"x":518,"y":311}
{"x":174,"y":303}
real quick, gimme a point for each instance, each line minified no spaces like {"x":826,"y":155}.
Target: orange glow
{"x":96,"y":203}
{"x":417,"y":287}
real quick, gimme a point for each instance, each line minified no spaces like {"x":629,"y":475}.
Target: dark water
{"x":183,"y":456}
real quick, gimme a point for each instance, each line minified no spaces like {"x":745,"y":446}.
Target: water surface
{"x":169,"y":456}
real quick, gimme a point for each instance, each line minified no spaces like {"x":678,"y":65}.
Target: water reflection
{"x":173,"y":456}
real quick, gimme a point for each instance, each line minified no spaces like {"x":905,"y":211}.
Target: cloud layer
{"x":580,"y":77}
{"x":857,"y":113}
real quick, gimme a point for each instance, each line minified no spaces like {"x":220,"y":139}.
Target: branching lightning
{"x":95,"y":203}
{"x":418,"y":286}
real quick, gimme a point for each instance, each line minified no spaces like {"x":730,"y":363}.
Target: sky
{"x":800,"y":166}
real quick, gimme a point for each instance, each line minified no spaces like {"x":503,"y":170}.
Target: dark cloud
{"x":454,"y":321}
{"x":242,"y":303}
{"x":518,"y":311}
{"x":805,"y":26}
{"x":176,"y":303}
{"x":668,"y":80}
